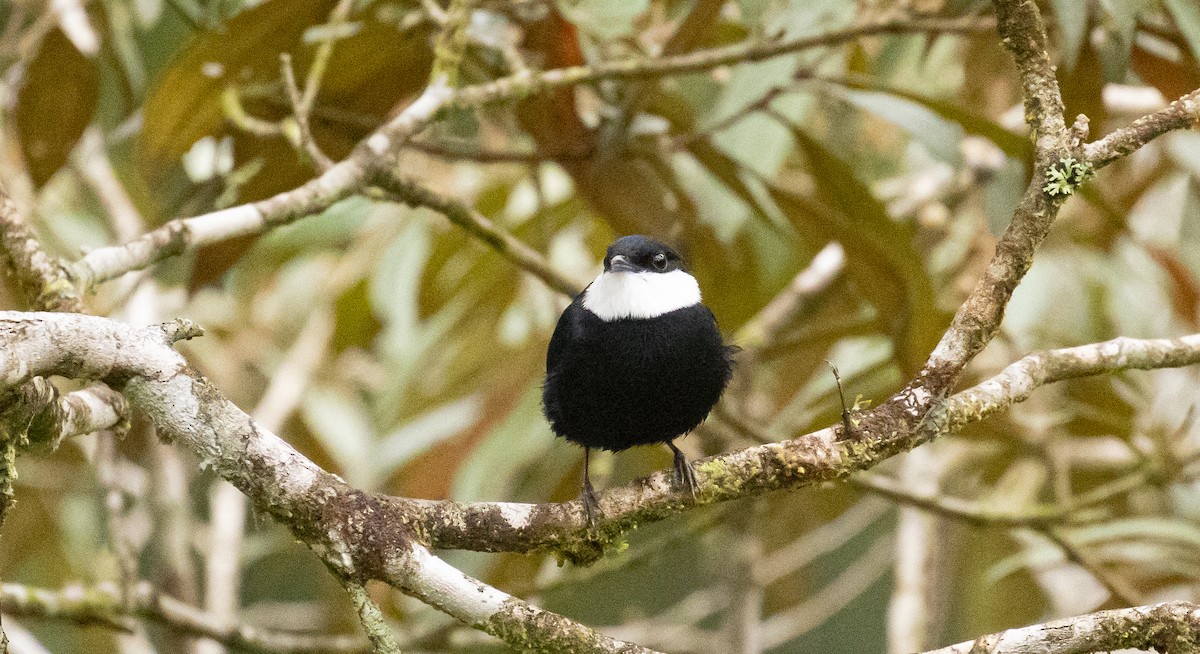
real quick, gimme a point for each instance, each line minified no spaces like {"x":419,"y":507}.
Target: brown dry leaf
{"x":55,"y":105}
{"x":882,"y":259}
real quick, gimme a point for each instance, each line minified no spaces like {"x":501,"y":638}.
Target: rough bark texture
{"x":1170,"y":628}
{"x":358,"y":535}
{"x":41,"y":278}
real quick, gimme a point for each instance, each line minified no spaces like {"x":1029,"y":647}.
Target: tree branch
{"x":49,"y":417}
{"x":377,"y":153}
{"x":104,"y":604}
{"x":523,"y":626}
{"x":382,"y":640}
{"x":362,"y":536}
{"x":357,"y":535}
{"x":181,"y":235}
{"x":1183,"y":113}
{"x":1171,"y":628}
{"x":368,"y":536}
{"x":976,"y":321}
{"x":1018,"y":381}
{"x":977,"y":513}
{"x":41,"y":277}
{"x":407,"y":191}
{"x":790,"y":464}
{"x":523,"y":83}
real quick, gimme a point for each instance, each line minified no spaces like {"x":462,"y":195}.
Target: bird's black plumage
{"x":625,"y":369}
{"x":613,"y":385}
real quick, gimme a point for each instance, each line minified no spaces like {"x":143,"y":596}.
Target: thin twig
{"x":449,"y":150}
{"x":980,"y":514}
{"x":411,"y":193}
{"x":1121,"y":589}
{"x":372,"y":620}
{"x":304,"y":137}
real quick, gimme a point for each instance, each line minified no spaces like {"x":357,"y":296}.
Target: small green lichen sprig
{"x":1066,"y":176}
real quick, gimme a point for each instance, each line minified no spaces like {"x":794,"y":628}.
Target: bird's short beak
{"x":620,"y":264}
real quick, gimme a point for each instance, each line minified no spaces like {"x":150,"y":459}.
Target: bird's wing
{"x":563,"y":333}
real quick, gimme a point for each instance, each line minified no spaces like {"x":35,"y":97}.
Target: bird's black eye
{"x":659,"y":261}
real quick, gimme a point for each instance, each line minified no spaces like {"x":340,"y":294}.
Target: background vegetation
{"x":397,"y":350}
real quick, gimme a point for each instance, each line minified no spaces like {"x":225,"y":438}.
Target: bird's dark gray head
{"x":641,"y":254}
{"x":642,"y":278}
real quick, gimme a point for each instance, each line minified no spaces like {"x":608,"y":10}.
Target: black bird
{"x":635,"y":359}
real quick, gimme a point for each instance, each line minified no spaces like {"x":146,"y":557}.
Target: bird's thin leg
{"x":682,"y":472}
{"x":591,"y":505}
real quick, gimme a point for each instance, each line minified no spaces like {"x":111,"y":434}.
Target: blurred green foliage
{"x":426,"y":348}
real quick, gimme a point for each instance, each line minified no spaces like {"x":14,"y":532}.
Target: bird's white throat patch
{"x":617,"y":295}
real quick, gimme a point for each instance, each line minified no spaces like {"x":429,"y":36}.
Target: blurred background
{"x":398,"y":352}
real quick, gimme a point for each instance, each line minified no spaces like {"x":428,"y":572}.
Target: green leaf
{"x":940,"y":136}
{"x":423,"y":432}
{"x":341,"y":424}
{"x":185,"y":104}
{"x":1187,"y":193}
{"x":729,"y":172}
{"x":1072,"y":18}
{"x":368,"y":75}
{"x":1014,"y":145}
{"x":55,"y":105}
{"x":395,"y":285}
{"x":1157,"y":528}
{"x":1187,"y":16}
{"x":882,"y":260}
{"x":521,"y":439}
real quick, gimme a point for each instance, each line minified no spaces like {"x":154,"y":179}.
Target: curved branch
{"x":697,"y":61}
{"x":977,"y":513}
{"x":1171,"y":627}
{"x":179,"y":236}
{"x":283,"y":482}
{"x":476,"y":224}
{"x":790,"y":464}
{"x":1018,"y":381}
{"x":366,"y":536}
{"x":377,"y":153}
{"x":977,"y":320}
{"x":357,"y":535}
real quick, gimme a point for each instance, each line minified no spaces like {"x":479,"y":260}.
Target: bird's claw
{"x":591,"y":505}
{"x":684,"y":475}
